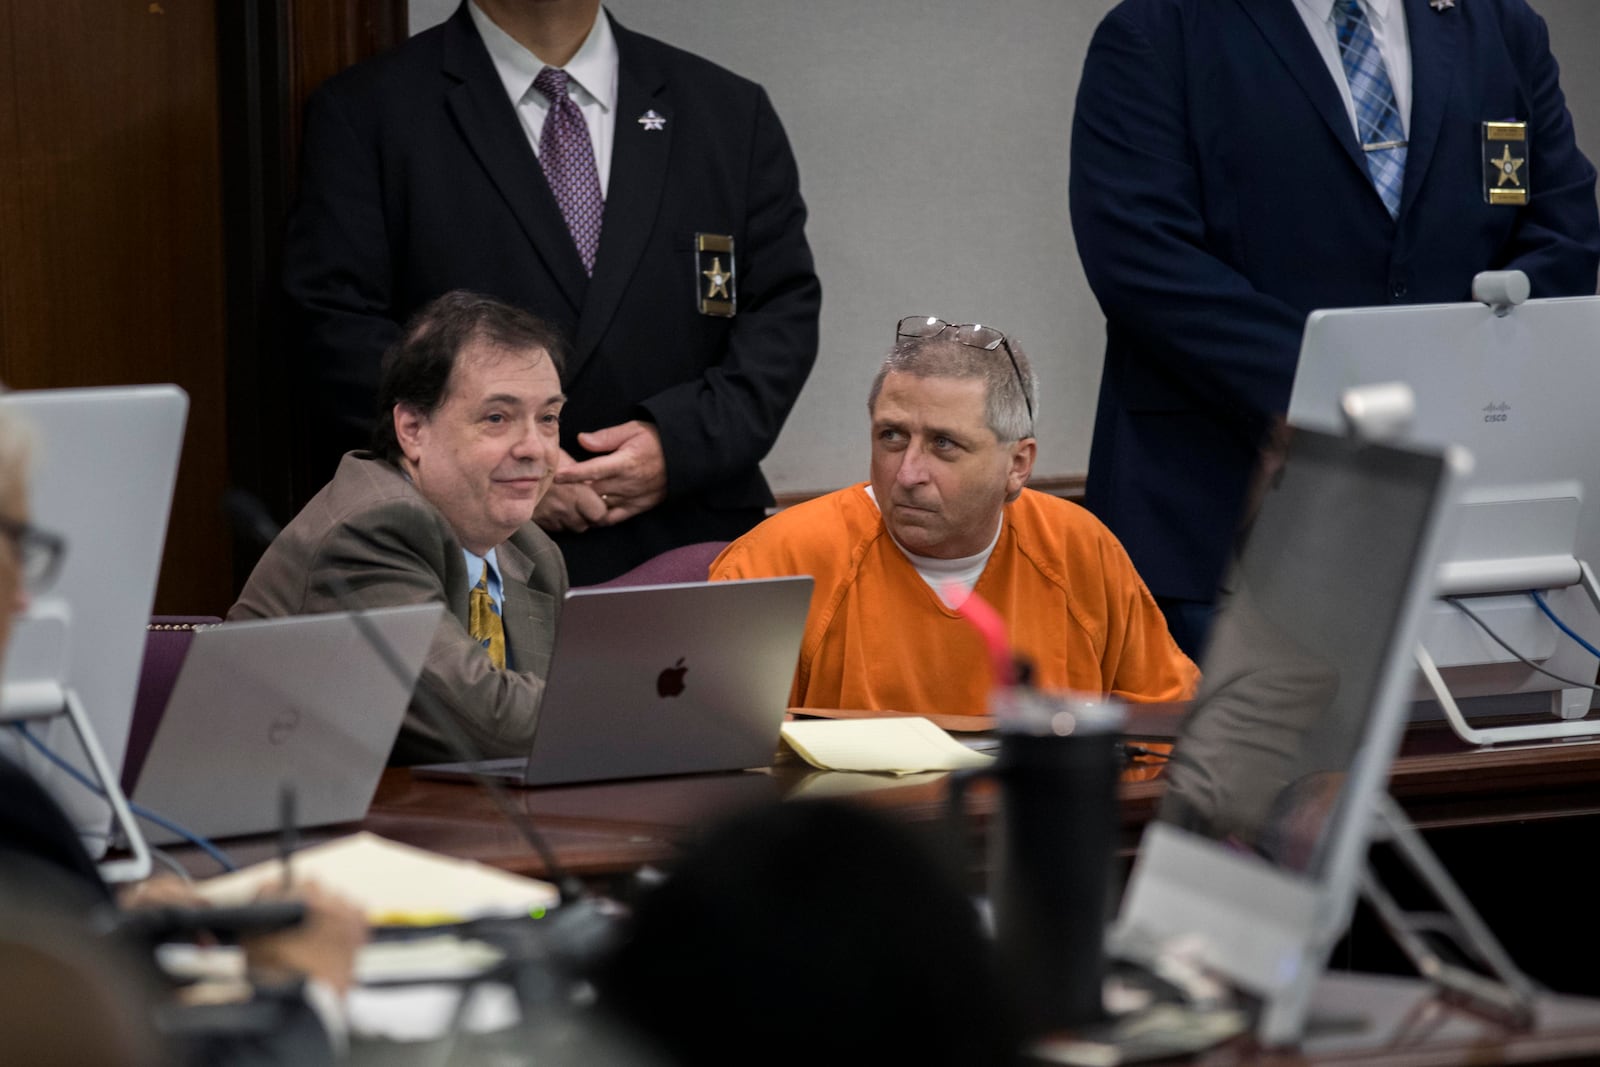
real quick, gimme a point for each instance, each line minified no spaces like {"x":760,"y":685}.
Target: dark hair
{"x":867,"y":923}
{"x":417,"y":370}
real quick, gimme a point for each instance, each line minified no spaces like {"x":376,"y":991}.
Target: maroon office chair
{"x":166,"y":643}
{"x":687,"y":563}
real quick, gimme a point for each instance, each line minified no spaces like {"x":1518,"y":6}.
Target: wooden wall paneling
{"x":275,"y":53}
{"x":252,"y":49}
{"x":326,"y":37}
{"x":110,"y":232}
{"x":10,"y":153}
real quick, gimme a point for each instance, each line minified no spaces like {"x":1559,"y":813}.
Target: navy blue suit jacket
{"x":417,"y":178}
{"x":1219,"y":195}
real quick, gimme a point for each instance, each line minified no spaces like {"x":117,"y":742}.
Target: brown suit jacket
{"x":371,"y":526}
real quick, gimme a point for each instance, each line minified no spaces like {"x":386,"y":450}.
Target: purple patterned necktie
{"x":567,"y":156}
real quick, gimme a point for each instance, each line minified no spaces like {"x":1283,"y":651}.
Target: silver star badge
{"x":654,"y":120}
{"x":1441,"y":5}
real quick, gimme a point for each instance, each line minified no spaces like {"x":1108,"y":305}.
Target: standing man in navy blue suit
{"x":1237,"y":164}
{"x":642,"y":199}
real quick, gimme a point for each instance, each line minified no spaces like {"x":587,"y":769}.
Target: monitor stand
{"x":1507,"y":996}
{"x":1566,"y":703}
{"x":43,"y":700}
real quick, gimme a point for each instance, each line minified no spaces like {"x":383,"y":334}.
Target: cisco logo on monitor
{"x":1500,"y":412}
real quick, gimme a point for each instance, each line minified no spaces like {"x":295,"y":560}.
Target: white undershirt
{"x":938,"y":573}
{"x":1388,"y":21}
{"x":593,"y":84}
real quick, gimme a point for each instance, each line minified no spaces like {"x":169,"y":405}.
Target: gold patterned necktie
{"x":483,"y":621}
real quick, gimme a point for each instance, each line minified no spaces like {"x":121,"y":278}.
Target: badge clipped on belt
{"x":1505,"y":163}
{"x":714,"y":268}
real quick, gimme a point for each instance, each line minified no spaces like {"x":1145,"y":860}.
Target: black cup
{"x":1051,"y":848}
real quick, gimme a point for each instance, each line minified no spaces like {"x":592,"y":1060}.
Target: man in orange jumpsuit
{"x":952,"y":447}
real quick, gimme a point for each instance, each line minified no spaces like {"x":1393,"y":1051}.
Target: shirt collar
{"x":593,"y":68}
{"x":596,"y":63}
{"x":475,"y":565}
{"x":1323,"y":10}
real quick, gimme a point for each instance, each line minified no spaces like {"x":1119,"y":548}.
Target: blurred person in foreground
{"x":819,"y":905}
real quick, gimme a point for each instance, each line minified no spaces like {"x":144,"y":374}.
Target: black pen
{"x":287,"y":833}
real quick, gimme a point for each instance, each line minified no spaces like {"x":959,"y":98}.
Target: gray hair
{"x":1005,"y":404}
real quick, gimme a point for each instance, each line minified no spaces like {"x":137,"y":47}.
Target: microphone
{"x":251,"y":518}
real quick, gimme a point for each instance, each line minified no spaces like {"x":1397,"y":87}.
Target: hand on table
{"x":162,"y":891}
{"x":323,"y":948}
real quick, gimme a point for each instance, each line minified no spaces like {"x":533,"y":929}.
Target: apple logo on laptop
{"x":670,"y":682}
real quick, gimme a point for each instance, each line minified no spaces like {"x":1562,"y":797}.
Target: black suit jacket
{"x":1219,"y":195}
{"x":417,"y":178}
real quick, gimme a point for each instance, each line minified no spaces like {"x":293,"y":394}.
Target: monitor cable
{"x":1560,"y":625}
{"x":1456,"y":602}
{"x":202,"y":843}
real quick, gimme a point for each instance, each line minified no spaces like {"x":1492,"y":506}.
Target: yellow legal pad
{"x":394,"y":884}
{"x":905,"y":745}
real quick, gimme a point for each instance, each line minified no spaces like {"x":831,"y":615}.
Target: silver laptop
{"x":303,"y":701}
{"x":664,"y":679}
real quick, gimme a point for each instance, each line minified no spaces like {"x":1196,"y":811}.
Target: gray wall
{"x":932,"y":139}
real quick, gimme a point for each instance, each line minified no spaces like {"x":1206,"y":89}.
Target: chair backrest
{"x":687,"y":563}
{"x":166,"y":643}
{"x":66,"y":996}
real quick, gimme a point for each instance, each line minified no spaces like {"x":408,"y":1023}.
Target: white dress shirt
{"x":593,"y":84}
{"x":475,"y":565}
{"x":1388,"y":21}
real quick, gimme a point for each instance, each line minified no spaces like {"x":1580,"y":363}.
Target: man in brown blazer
{"x":441,"y":509}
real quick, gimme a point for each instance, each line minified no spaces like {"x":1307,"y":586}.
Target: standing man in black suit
{"x":642,"y":199}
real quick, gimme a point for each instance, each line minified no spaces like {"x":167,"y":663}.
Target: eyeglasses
{"x":39,"y":553}
{"x":971,"y":334}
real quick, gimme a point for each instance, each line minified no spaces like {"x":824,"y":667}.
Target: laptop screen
{"x":1298,"y":652}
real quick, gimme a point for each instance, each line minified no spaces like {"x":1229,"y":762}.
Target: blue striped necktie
{"x":1383,"y":139}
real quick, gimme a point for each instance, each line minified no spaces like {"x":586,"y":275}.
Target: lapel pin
{"x":1441,"y":5}
{"x":655,"y":120}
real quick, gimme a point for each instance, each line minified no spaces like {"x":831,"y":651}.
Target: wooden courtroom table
{"x":605,"y":832}
{"x":611,"y":828}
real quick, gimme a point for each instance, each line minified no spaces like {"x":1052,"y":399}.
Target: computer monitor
{"x":1261,"y":837}
{"x":103,"y":466}
{"x":1516,"y":385}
